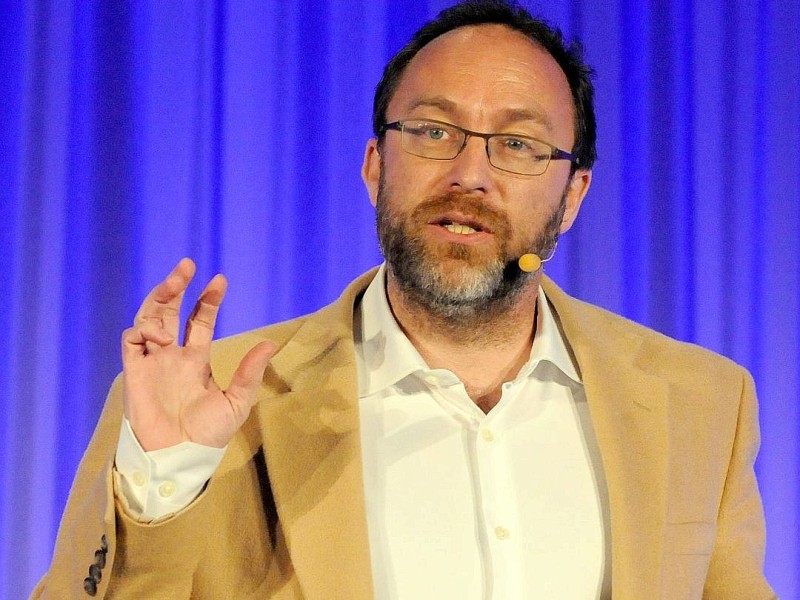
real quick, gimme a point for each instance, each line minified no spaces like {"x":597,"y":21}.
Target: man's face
{"x":454,"y":229}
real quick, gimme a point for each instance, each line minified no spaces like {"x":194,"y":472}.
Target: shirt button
{"x":166,"y":489}
{"x":501,"y":533}
{"x":432,"y":379}
{"x":487,"y":435}
{"x":139,"y":479}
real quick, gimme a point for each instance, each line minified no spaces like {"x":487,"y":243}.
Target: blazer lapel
{"x":628,"y":409}
{"x":312,"y":445}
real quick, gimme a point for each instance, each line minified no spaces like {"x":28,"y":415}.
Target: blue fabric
{"x":132,"y":134}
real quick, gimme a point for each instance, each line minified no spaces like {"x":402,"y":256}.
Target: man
{"x":454,"y":426}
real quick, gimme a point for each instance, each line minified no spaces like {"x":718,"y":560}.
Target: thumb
{"x":245,"y":381}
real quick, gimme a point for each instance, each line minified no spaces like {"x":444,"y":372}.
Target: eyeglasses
{"x":438,"y":140}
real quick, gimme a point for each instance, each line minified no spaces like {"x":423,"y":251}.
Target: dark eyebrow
{"x":510,"y":115}
{"x":439,"y":102}
{"x":517,"y":115}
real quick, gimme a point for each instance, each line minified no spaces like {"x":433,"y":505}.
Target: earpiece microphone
{"x":529,"y":263}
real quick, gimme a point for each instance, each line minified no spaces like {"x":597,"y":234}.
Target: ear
{"x":371,"y":170}
{"x":576,"y":191}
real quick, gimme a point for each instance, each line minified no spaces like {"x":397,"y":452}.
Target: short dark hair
{"x":504,"y":12}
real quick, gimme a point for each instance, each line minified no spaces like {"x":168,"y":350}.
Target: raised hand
{"x":170,"y":395}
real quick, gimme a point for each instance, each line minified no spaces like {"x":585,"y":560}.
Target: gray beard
{"x":486,"y":290}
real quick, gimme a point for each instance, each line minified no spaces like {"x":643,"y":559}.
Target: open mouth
{"x":458,"y":228}
{"x":461,"y":225}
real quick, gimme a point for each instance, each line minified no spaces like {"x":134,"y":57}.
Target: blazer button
{"x":90,"y":586}
{"x":104,"y":543}
{"x":95,"y":573}
{"x":100,"y":559}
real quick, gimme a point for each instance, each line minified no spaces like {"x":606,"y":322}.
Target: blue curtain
{"x":132,"y":134}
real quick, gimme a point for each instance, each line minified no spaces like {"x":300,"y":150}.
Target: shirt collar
{"x":549,"y":343}
{"x":384,"y":355}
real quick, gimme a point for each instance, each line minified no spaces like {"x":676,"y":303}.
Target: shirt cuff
{"x":162,"y":482}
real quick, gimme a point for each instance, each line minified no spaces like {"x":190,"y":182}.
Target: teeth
{"x":458,"y":228}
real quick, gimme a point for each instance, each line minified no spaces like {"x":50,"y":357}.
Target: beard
{"x":457,"y":283}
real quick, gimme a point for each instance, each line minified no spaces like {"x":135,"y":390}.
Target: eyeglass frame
{"x":556,"y":153}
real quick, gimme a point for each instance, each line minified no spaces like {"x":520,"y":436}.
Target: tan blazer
{"x":284,"y":517}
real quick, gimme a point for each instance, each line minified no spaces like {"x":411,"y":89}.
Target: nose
{"x":470,"y":171}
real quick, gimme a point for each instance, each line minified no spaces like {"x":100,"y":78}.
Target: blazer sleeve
{"x":228,"y":543}
{"x":86,"y":542}
{"x":737,"y":562}
{"x":100,"y":550}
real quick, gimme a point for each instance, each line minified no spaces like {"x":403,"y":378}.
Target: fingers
{"x":200,"y":326}
{"x":248,"y":375}
{"x":163,"y":303}
{"x":143,"y":339}
{"x":157,"y":322}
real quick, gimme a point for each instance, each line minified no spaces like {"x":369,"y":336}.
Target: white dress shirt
{"x":461,"y":505}
{"x":464,"y":505}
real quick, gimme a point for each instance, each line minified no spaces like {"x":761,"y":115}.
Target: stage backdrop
{"x":135,"y":133}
